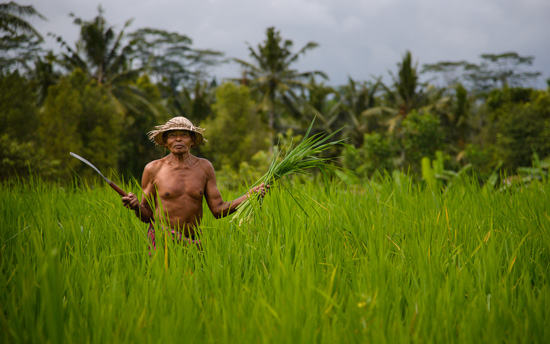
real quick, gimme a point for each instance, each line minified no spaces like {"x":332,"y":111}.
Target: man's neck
{"x":182,"y":159}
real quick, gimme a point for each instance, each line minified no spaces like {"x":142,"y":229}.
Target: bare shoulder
{"x":153,"y":166}
{"x":206,"y":166}
{"x":150,"y":172}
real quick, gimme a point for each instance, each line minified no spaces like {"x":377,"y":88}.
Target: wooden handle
{"x":117,"y":189}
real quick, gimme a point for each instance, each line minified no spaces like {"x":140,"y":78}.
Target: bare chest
{"x":174,"y":183}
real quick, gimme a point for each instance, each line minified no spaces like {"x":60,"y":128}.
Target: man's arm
{"x":217,"y":206}
{"x":143,"y":210}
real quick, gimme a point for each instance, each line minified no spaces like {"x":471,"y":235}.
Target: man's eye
{"x":178,"y":134}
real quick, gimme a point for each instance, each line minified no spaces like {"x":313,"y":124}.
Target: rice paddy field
{"x":322,"y":263}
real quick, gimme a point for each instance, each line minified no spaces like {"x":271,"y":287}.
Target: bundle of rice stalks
{"x":300,"y":160}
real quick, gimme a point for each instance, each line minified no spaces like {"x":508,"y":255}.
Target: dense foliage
{"x":100,"y":96}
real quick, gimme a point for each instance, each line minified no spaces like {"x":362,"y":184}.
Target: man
{"x":175,"y":185}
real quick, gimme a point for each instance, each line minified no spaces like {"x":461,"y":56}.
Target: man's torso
{"x":180,"y":190}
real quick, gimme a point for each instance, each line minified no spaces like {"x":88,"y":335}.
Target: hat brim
{"x":158,"y":138}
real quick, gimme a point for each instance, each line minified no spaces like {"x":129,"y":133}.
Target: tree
{"x":422,"y":137}
{"x":80,"y":116}
{"x":179,"y":70}
{"x":319,"y":101}
{"x":44,"y":75}
{"x":494,"y":71}
{"x":522,"y":120}
{"x":17,"y":107}
{"x":19,"y":41}
{"x":376,"y":154}
{"x":357,"y":100}
{"x":20,"y":150}
{"x":235,"y":131}
{"x":271,"y":74}
{"x":100,"y":127}
{"x":499,"y":70}
{"x":170,"y":59}
{"x":19,"y":159}
{"x":457,"y":117}
{"x":101,"y":54}
{"x":406,"y":95}
{"x":450,"y":72}
{"x":453,"y":106}
{"x":59,"y":119}
{"x":12,"y":22}
{"x":136,"y":150}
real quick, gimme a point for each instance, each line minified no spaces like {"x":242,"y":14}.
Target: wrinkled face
{"x":179,"y":141}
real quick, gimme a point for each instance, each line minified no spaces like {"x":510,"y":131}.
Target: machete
{"x":113,"y":185}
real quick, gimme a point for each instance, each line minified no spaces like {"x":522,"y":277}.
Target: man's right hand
{"x":131,"y":201}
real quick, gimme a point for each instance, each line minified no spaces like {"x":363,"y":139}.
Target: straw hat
{"x":176,"y":123}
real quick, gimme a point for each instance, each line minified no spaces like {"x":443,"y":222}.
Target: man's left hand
{"x":260,"y":189}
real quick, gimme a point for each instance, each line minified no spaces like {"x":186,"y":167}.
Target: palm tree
{"x":12,"y":22}
{"x":271,"y":73}
{"x":43,"y":75}
{"x":320,"y":102}
{"x":176,"y":67}
{"x":19,"y":41}
{"x":170,"y":57}
{"x":406,"y":94}
{"x":100,"y":54}
{"x":359,"y":109}
{"x":454,"y":108}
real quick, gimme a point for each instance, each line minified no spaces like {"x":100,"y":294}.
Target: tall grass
{"x":387,"y":262}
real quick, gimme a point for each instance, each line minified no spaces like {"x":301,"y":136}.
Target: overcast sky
{"x":357,"y":38}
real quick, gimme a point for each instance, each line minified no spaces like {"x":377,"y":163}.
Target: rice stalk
{"x":298,"y":160}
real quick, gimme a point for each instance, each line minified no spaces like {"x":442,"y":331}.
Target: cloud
{"x":356,"y":37}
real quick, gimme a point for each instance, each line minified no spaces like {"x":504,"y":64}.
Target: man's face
{"x":179,"y":141}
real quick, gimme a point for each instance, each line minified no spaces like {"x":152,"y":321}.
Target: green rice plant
{"x":298,"y":160}
{"x":391,"y":261}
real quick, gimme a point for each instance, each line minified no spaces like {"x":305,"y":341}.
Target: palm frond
{"x":11,"y":19}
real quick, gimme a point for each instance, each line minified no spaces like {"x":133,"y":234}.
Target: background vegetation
{"x":100,"y":95}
